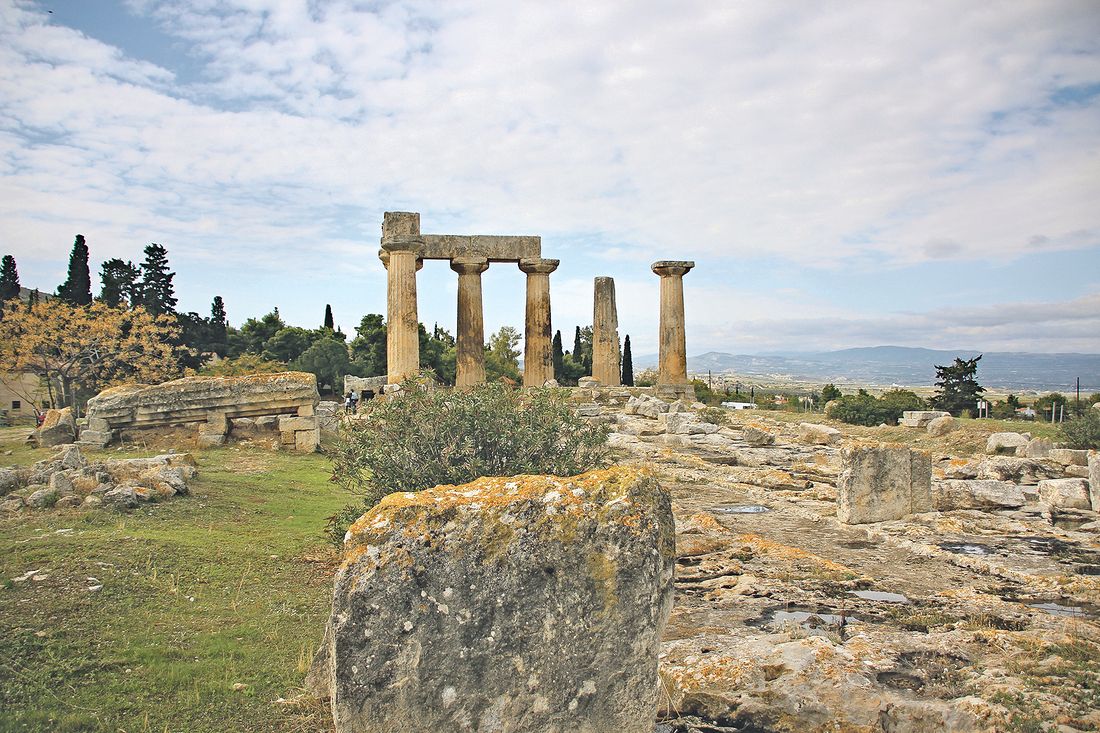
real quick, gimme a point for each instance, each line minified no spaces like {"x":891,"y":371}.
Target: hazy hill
{"x":904,"y":366}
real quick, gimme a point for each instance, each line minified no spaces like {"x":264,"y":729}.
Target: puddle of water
{"x":741,"y":509}
{"x":1069,"y":609}
{"x":878,"y":595}
{"x":965,"y":548}
{"x":802,"y":617}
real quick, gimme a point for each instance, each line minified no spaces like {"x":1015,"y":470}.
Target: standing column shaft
{"x":402,"y":243}
{"x":538,"y":359}
{"x":673,"y":355}
{"x":605,"y":333}
{"x":470,"y":344}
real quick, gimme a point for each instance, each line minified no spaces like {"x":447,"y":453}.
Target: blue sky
{"x":843,"y":174}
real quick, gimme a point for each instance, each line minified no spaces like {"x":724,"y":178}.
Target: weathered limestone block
{"x":811,"y":434}
{"x":883,"y":482}
{"x":588,"y":409}
{"x":976,"y":494}
{"x":1094,"y":479}
{"x":920,"y":418}
{"x":532,"y":603}
{"x":68,"y":459}
{"x":1068,"y":457}
{"x":1018,"y":470}
{"x":756,"y":436}
{"x":942,"y":426}
{"x":588,"y":382}
{"x":1010,"y":441}
{"x":1065,"y":493}
{"x":307,"y":441}
{"x":688,"y":423}
{"x":58,"y":428}
{"x":1036,"y":448}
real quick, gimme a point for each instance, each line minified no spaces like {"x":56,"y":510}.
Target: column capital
{"x":385,"y":257}
{"x":672,"y":268}
{"x":469,"y":265}
{"x":537,"y":266}
{"x":403,"y":243}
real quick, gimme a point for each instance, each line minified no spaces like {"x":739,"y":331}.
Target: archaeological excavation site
{"x":236,"y":549}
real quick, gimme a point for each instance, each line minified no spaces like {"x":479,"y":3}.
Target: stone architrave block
{"x":883,"y":482}
{"x":812,"y":434}
{"x":1094,"y":479}
{"x":1011,"y":441}
{"x":1065,"y":493}
{"x":533,"y":603}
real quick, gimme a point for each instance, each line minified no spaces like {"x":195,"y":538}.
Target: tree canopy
{"x":9,"y":279}
{"x":86,"y":348}
{"x":958,"y":386}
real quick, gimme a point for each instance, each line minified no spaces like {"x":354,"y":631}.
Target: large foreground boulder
{"x":880,"y":483}
{"x":532,"y":603}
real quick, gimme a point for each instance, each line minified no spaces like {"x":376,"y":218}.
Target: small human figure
{"x":347,"y":403}
{"x":354,"y":401}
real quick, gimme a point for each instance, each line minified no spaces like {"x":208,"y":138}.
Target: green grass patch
{"x":210,"y":607}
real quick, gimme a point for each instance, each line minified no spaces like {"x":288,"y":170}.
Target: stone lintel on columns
{"x":493,"y":248}
{"x":666,"y":268}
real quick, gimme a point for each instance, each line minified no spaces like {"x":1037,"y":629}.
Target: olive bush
{"x":424,"y":439}
{"x":1083,"y":431}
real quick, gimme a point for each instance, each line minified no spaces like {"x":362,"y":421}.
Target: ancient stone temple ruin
{"x":403,"y":252}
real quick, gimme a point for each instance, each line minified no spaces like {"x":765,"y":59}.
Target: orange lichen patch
{"x":774,"y":550}
{"x":693,"y":545}
{"x":508,"y":508}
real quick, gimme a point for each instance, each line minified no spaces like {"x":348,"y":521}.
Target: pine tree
{"x":959,"y":388}
{"x":329,"y":323}
{"x":120,"y":283}
{"x":557,"y":357}
{"x":156,"y":281}
{"x":9,"y":279}
{"x":77,"y":289}
{"x":628,"y":364}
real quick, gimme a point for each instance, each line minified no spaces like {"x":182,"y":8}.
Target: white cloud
{"x":856,"y":135}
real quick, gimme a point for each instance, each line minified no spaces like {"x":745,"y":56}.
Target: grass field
{"x":210,"y":607}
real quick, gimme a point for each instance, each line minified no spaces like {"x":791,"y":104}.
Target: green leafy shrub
{"x":865,"y":409}
{"x":1083,"y":431}
{"x":426,"y":439}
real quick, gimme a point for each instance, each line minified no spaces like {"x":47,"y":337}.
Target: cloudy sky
{"x":842,"y":174}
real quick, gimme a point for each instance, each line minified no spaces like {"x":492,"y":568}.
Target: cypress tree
{"x":578,"y":347}
{"x":9,"y":279}
{"x":156,"y":281}
{"x":218,"y":326}
{"x":557,"y":356}
{"x":628,"y":364}
{"x":120,"y":283}
{"x":77,"y":289}
{"x":328,"y":318}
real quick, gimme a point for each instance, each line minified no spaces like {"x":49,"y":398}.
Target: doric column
{"x":401,"y":246}
{"x":605,"y":333}
{"x":470,"y":344}
{"x":538,"y":359}
{"x":673,"y":358}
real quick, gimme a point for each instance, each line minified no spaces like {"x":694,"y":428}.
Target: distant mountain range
{"x":886,"y":365}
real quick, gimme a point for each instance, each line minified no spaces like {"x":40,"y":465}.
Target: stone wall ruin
{"x":284,"y":402}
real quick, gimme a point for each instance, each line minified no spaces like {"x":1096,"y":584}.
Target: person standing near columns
{"x":672,"y":376}
{"x":470,"y":344}
{"x":538,"y":359}
{"x":605,"y":333}
{"x":401,"y":247}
